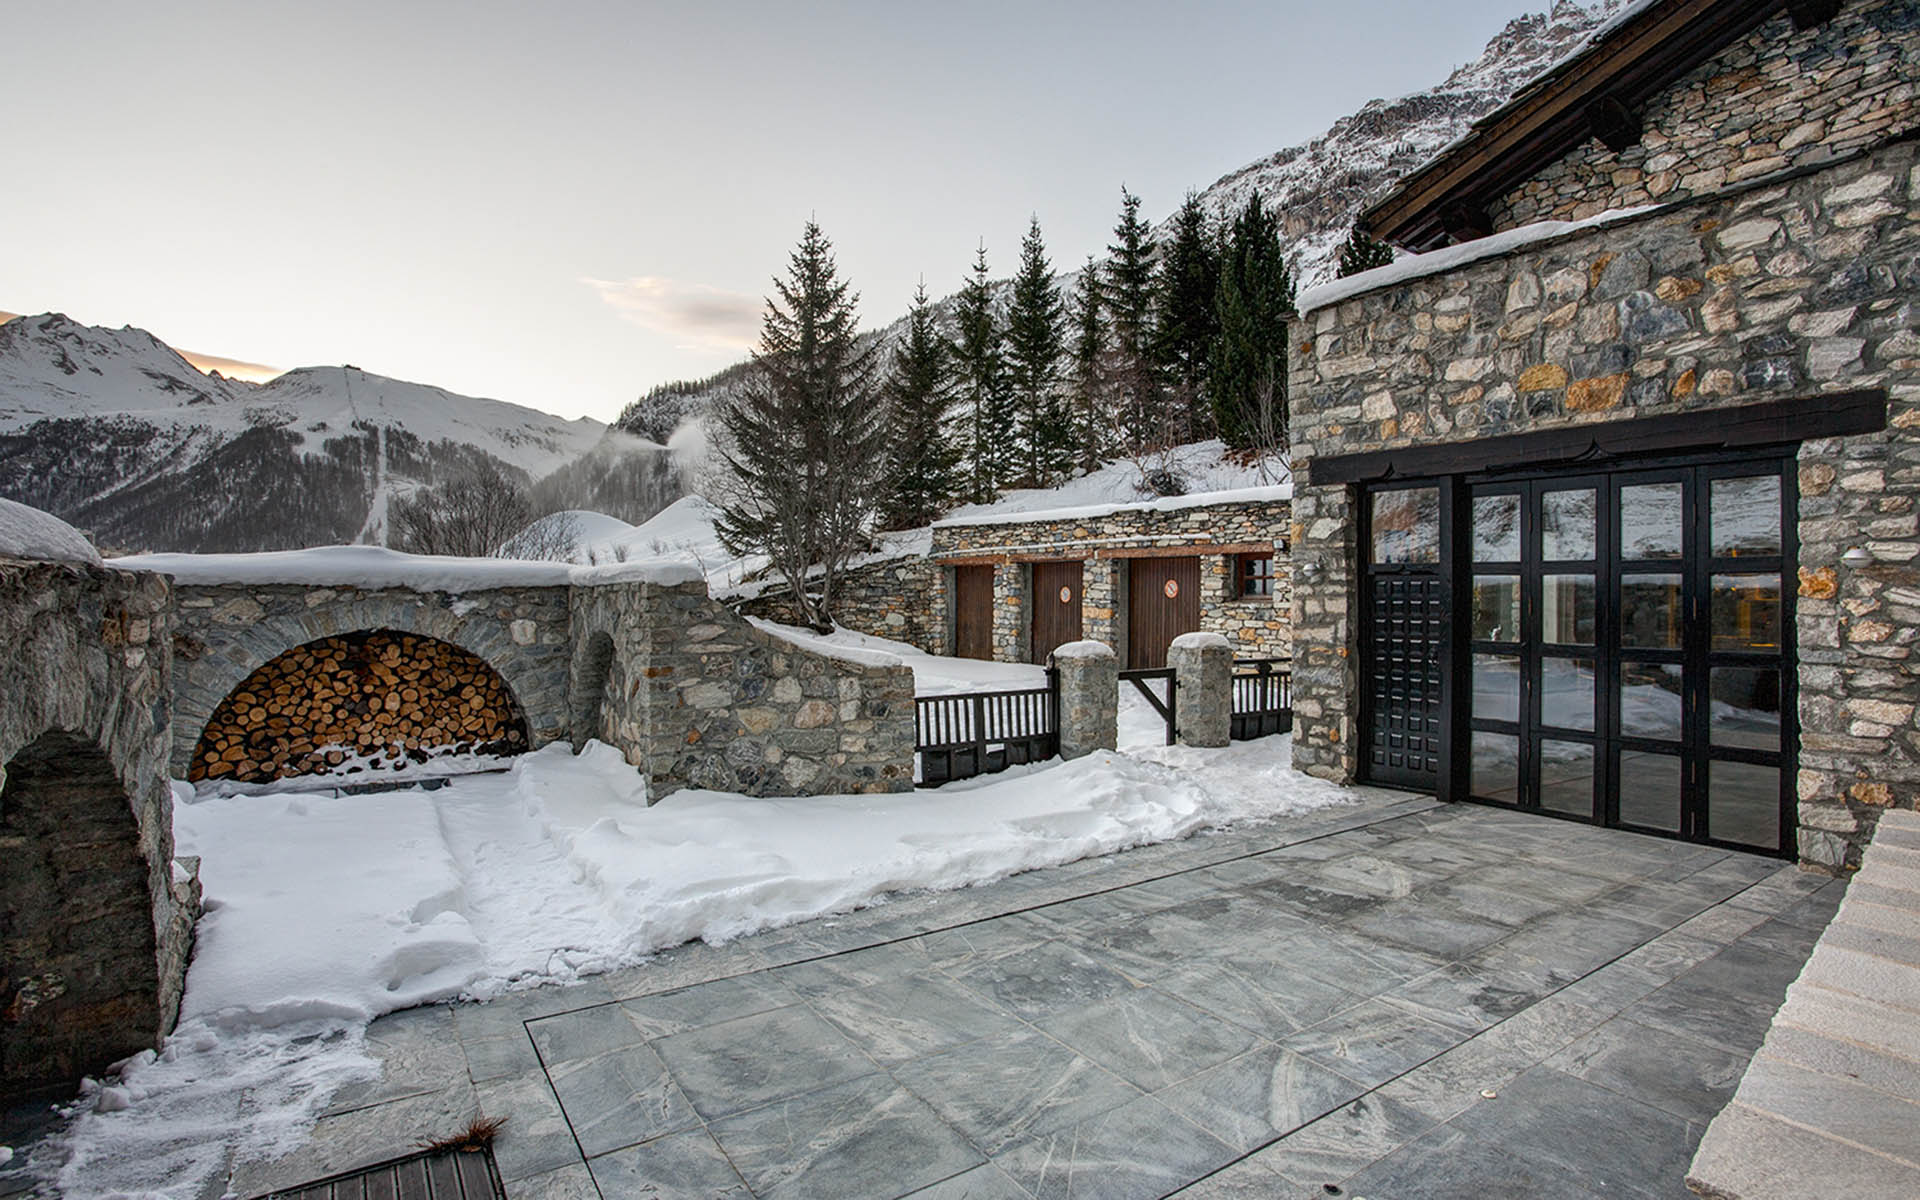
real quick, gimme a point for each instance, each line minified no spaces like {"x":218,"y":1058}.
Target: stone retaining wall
{"x":1791,"y":289}
{"x":1776,"y":99}
{"x":897,"y":598}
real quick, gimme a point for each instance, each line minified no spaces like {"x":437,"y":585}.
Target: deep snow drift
{"x":558,"y":869}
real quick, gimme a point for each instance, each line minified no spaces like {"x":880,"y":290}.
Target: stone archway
{"x":374,"y":698}
{"x":79,"y":977}
{"x":589,"y":689}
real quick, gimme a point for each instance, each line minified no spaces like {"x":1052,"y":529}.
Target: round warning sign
{"x":1066,"y":595}
{"x":1171,"y":588}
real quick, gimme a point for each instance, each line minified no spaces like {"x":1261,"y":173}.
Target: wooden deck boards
{"x":445,"y":1175}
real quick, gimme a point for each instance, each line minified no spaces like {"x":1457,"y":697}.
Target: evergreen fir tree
{"x":1090,"y":417}
{"x":1249,"y":361}
{"x":1127,"y":296}
{"x":1034,"y":343}
{"x":1186,"y":319}
{"x":1361,"y":253}
{"x":980,"y":380}
{"x":804,"y":439}
{"x":922,"y":474}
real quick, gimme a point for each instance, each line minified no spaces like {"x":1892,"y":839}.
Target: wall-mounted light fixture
{"x":1857,"y":557}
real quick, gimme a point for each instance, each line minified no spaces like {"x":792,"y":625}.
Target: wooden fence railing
{"x":977,"y":733}
{"x":1262,"y":697}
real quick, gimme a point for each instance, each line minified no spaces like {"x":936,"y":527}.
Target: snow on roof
{"x":29,"y":533}
{"x":1278,"y":491}
{"x":377,"y":567}
{"x":1419,"y":266}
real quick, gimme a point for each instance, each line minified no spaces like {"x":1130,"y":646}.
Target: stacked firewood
{"x":363,"y":700}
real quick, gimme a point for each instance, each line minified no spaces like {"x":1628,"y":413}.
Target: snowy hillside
{"x":115,"y":432}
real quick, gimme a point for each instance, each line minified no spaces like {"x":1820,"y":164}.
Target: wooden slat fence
{"x":976,"y":733}
{"x":1262,"y":697}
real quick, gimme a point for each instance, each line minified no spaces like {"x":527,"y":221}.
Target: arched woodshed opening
{"x":373,"y":699}
{"x":590,"y":687}
{"x":79,"y":979}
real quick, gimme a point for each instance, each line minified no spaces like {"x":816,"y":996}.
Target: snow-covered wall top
{"x":1279,"y":491}
{"x":29,"y":533}
{"x":377,"y":567}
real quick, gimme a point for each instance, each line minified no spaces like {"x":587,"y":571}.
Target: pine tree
{"x":1249,"y":361}
{"x":803,"y":441}
{"x":1034,"y":343}
{"x":1127,"y":296}
{"x":980,"y":379}
{"x":1091,"y":371}
{"x":1186,"y":320}
{"x":1361,"y":253}
{"x":922,"y":473}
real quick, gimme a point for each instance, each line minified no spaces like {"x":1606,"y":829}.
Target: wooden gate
{"x":1056,"y":606}
{"x":973,"y":612}
{"x":1163,"y":602}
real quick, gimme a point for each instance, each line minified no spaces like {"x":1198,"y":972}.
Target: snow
{"x":1204,"y":466}
{"x":1200,"y":641}
{"x":829,"y":645}
{"x":558,"y":869}
{"x":29,"y":533}
{"x":377,"y":567}
{"x":1419,"y":266}
{"x":1248,"y":495}
{"x":1078,"y":650}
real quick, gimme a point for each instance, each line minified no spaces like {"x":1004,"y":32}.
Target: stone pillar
{"x":1097,"y":603}
{"x":1089,"y":697}
{"x":1203,"y":672}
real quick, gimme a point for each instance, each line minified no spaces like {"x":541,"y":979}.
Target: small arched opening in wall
{"x":79,"y":978}
{"x":379,"y":698}
{"x":589,"y":690}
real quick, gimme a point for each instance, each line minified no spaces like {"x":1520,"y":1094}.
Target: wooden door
{"x":1163,"y":602}
{"x":1056,"y":607}
{"x":973,"y":612}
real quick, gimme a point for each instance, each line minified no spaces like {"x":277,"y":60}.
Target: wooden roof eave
{"x":1549,"y":117}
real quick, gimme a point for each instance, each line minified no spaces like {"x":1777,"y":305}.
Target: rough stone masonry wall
{"x":696,"y":697}
{"x":85,"y":701}
{"x":1807,"y":286}
{"x":897,"y":598}
{"x":228,"y":631}
{"x":1256,"y":627}
{"x":1778,"y":98}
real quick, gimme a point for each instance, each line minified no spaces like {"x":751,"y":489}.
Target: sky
{"x":565,"y":204}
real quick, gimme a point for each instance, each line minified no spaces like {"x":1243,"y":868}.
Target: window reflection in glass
{"x":1650,"y":611}
{"x":1496,"y":767}
{"x":1745,"y":516}
{"x":1746,"y":707}
{"x":1406,"y":526}
{"x":1496,"y":528}
{"x":1650,"y":790}
{"x":1567,"y":525}
{"x":1650,"y":701}
{"x":1496,"y":687}
{"x":1566,"y":610}
{"x":1743,"y":804}
{"x":1496,"y":608}
{"x":1746,"y":612}
{"x":1566,"y":693}
{"x":1566,"y":777}
{"x":1650,"y":516}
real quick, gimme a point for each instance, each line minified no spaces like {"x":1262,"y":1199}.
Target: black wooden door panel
{"x":1406,"y":627}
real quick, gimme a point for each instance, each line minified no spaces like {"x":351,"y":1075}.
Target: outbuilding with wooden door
{"x":1058,"y":591}
{"x":973,"y":611}
{"x":1163,"y":602}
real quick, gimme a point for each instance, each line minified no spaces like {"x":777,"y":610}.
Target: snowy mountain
{"x":113,"y":431}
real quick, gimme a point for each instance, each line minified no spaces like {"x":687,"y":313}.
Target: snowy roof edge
{"x":1276,"y":491}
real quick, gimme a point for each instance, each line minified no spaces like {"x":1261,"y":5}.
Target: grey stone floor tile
{"x":1545,"y":1027}
{"x":1271,"y":998}
{"x":984,"y":941}
{"x":1345,"y":1140}
{"x":1449,"y":1085}
{"x":1747,"y":1153}
{"x":1560,"y":887}
{"x":984,"y":1182}
{"x":1244,"y":1180}
{"x":588,"y":1033}
{"x":681,"y":966}
{"x":866,"y":1138}
{"x":1614,"y":1144}
{"x":751,"y":1061}
{"x":1781,"y":937}
{"x":679,"y":1164}
{"x":1249,"y":1101}
{"x":1446,"y":1163}
{"x":1040,"y":979}
{"x":1168,"y":891}
{"x":1311,"y":901}
{"x":664,"y":1014}
{"x":419,"y":1053}
{"x":1357,"y":963}
{"x":350,"y":1140}
{"x":1229,"y":924}
{"x":494,"y":1058}
{"x":571,"y":1182}
{"x":1688,"y":1078}
{"x":854,"y":969}
{"x":1143,"y":945}
{"x":1141,"y":1149}
{"x":506,"y":1015}
{"x":1148,"y":1038}
{"x":536,"y":1137}
{"x":1728,"y":1000}
{"x":620,"y":1098}
{"x":911,"y":1015}
{"x":1467,"y":894}
{"x":1004,"y":1089}
{"x":1379,"y":874}
{"x":1464,"y":997}
{"x":1838,"y":1108}
{"x":1373,"y":1042}
{"x":1575,"y":943}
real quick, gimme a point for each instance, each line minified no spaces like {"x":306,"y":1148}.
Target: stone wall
{"x":95,"y":932}
{"x":1772,"y":291}
{"x":228,"y":631}
{"x":1778,"y":98}
{"x":897,"y":598}
{"x":695,"y":696}
{"x":1103,"y":538}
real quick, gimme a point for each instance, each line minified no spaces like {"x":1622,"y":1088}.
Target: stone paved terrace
{"x":1261,"y":1012}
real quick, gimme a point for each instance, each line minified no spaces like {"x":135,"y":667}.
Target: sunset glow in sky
{"x":564,"y":204}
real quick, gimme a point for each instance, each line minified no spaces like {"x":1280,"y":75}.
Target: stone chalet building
{"x":1605,"y":502}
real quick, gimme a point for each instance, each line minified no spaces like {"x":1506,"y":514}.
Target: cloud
{"x":232,"y":368}
{"x":700,"y":317}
